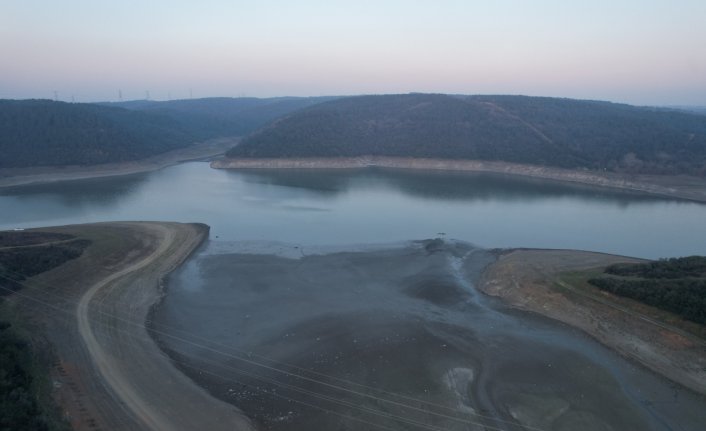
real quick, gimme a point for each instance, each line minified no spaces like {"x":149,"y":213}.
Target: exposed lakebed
{"x":394,"y":337}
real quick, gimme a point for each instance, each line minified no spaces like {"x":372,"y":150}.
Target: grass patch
{"x":20,"y":262}
{"x":26,"y":388}
{"x":25,"y":385}
{"x":578,"y":281}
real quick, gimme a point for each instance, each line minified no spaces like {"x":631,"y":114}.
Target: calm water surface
{"x":372,"y":206}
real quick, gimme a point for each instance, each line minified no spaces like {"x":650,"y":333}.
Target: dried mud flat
{"x":386,"y":337}
{"x":396,"y":337}
{"x":108,"y":373}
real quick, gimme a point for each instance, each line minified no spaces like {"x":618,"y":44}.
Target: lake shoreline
{"x":142,"y":370}
{"x":406,"y":349}
{"x":674,"y":186}
{"x":529,"y":279}
{"x":12,"y":177}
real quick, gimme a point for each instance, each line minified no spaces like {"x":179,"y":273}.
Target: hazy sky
{"x":635,"y":51}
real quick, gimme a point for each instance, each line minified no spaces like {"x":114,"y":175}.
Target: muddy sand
{"x":359,"y":338}
{"x":396,"y":337}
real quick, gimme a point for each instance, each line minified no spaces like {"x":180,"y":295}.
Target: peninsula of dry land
{"x":554,"y":283}
{"x":90,"y":315}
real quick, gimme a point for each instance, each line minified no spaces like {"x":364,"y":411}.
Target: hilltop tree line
{"x":564,"y":133}
{"x":542,"y":131}
{"x":222,"y":116}
{"x":677,"y":285}
{"x":48,"y":133}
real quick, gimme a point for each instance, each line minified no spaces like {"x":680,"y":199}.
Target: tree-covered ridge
{"x":47,"y":133}
{"x":676,"y":267}
{"x":222,"y":116}
{"x":677,"y":285}
{"x":533,"y":130}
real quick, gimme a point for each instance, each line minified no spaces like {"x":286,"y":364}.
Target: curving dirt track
{"x":109,"y":373}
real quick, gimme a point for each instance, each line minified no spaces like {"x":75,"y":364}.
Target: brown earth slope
{"x":532,"y":280}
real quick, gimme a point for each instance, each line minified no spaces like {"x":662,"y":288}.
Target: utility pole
{"x":120,"y":95}
{"x":56,"y":96}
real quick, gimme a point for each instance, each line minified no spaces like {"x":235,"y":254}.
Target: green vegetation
{"x":533,"y":130}
{"x":676,"y":285}
{"x":692,"y":266}
{"x":18,"y":263}
{"x":24,"y":400}
{"x":47,"y":133}
{"x":15,"y":238}
{"x":20,"y":408}
{"x":222,"y":116}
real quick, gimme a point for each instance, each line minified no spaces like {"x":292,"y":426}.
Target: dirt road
{"x":109,"y":373}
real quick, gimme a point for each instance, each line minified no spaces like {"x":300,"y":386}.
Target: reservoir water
{"x":320,"y":301}
{"x":373,"y":206}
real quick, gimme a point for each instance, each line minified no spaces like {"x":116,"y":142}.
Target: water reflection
{"x":372,"y":206}
{"x":438,"y":185}
{"x":97,"y":191}
{"x":67,"y":200}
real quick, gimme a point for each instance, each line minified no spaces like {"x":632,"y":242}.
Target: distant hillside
{"x":47,"y":133}
{"x":689,"y":108}
{"x":223,"y":116}
{"x":534,"y":130}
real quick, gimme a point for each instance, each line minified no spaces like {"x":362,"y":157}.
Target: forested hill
{"x":222,"y":116}
{"x":47,"y":133}
{"x":534,"y":130}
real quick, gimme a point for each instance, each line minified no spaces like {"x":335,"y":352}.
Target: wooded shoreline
{"x":675,"y":186}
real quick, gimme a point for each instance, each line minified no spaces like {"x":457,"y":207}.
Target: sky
{"x":646,"y":52}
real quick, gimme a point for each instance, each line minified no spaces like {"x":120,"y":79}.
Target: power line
{"x":270,"y":368}
{"x":254,"y":375}
{"x":248,"y":359}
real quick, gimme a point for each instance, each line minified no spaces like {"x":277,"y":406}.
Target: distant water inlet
{"x":394,"y":337}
